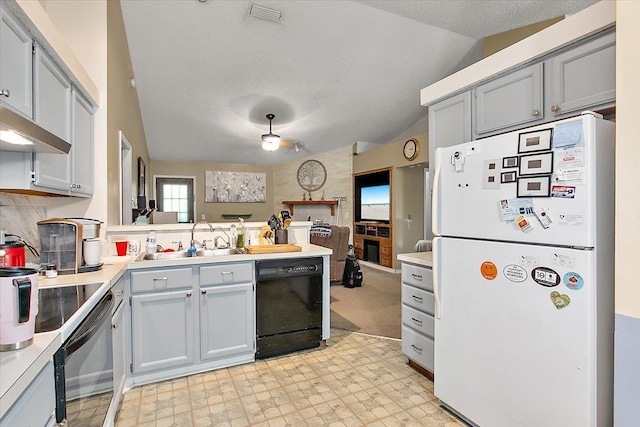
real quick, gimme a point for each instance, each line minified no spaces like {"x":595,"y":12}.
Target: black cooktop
{"x":57,"y":304}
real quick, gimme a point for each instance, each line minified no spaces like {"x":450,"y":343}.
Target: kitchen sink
{"x":185,"y":254}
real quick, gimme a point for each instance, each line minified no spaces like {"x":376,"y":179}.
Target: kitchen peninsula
{"x":20,"y":370}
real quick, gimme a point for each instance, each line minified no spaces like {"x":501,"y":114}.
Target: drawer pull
{"x":160,"y":278}
{"x":189,"y":294}
{"x":417,"y":321}
{"x":119,"y":292}
{"x":416,"y":348}
{"x":416,"y":276}
{"x":224,"y":273}
{"x":417,"y":298}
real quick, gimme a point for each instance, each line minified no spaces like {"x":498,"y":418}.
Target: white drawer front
{"x":417,"y":298}
{"x":421,"y":277}
{"x":418,"y":320}
{"x":226,"y":274}
{"x":160,"y":280}
{"x":418,"y":348}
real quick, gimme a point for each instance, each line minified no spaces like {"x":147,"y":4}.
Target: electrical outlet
{"x":118,"y":238}
{"x":204,"y":217}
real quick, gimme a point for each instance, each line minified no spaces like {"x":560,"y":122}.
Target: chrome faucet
{"x":227,"y":243}
{"x":193,"y":229}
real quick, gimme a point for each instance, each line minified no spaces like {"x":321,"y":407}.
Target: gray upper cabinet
{"x":449,"y":122}
{"x":582,"y":77}
{"x":82,"y":145}
{"x":53,"y":112}
{"x":16,"y":70}
{"x":511,"y":100}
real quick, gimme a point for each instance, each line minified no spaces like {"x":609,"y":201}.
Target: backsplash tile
{"x":19,"y":214}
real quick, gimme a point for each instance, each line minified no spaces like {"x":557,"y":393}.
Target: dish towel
{"x":422,"y":246}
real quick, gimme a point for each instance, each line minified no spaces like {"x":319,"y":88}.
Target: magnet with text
{"x":563,"y":191}
{"x":573,"y":281}
{"x":488,"y":270}
{"x":545,"y":276}
{"x":560,"y":300}
{"x":545,"y":218}
{"x":515,"y":273}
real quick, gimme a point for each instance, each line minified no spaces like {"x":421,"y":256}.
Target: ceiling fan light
{"x":270,"y":144}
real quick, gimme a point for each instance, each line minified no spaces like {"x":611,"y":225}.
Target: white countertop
{"x":424,"y":259}
{"x":19,"y":367}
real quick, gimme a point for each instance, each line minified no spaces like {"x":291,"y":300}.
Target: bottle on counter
{"x":152,"y":246}
{"x":242,"y":230}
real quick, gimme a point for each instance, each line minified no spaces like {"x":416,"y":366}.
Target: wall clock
{"x":311,"y":175}
{"x":411,"y":149}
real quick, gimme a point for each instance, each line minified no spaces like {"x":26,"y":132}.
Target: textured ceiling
{"x":332,"y":72}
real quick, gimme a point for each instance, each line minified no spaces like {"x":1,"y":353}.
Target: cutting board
{"x":272,"y":249}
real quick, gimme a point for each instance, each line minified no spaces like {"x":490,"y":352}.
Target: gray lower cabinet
{"x":227,"y":321}
{"x":418,"y":310}
{"x":36,"y":406}
{"x":162,"y":319}
{"x":16,"y":70}
{"x":511,"y":100}
{"x":119,"y":352}
{"x":582,"y":77}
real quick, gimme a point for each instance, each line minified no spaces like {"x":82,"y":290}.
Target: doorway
{"x":126,"y":204}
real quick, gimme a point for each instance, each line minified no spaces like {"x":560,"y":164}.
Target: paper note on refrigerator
{"x":511,"y":208}
{"x":567,"y":134}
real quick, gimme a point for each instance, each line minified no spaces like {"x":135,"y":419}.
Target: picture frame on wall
{"x":142,"y":177}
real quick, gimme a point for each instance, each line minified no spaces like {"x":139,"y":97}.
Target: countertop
{"x":19,"y":367}
{"x":424,"y":259}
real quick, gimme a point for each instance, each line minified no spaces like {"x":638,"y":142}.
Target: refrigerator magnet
{"x":515,"y":273}
{"x":540,"y":140}
{"x":523,"y":224}
{"x":573,"y":281}
{"x":536,"y":164}
{"x":560,"y":300}
{"x":507,"y":177}
{"x":488,"y":270}
{"x":510,"y":162}
{"x":534,"y":186}
{"x":563,"y":191}
{"x":545,"y":276}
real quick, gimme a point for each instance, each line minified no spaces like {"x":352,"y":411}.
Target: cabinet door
{"x":82,"y":145}
{"x":386,"y":259}
{"x":449,"y":122}
{"x":53,"y":112}
{"x":583,"y":77}
{"x":508,"y":101}
{"x":227,"y":326}
{"x":162,"y":330}
{"x":16,"y":66}
{"x":119,"y":349}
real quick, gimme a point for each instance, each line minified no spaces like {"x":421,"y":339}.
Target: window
{"x":176,"y":195}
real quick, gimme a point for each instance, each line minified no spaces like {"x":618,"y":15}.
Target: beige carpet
{"x":374,"y":308}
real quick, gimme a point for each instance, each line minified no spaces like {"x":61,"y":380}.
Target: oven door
{"x":84,"y":369}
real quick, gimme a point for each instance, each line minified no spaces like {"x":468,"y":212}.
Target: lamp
{"x":270,"y":141}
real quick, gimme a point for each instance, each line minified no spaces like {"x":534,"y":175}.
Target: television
{"x":373,"y":197}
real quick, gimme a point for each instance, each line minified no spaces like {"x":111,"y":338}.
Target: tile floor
{"x":356,"y":380}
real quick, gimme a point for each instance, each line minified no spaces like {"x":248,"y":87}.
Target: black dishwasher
{"x":288,"y":305}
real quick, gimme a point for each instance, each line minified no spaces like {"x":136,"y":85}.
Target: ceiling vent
{"x":265,"y":13}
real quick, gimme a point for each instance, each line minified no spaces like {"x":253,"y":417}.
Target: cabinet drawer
{"x":418,"y":320}
{"x":418,"y":348}
{"x":417,"y":298}
{"x":160,"y":280}
{"x":226,"y":274}
{"x":421,"y":277}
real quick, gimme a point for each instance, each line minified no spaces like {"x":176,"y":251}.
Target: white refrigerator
{"x":523,"y":273}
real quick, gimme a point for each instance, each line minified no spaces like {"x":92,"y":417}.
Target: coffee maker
{"x":61,"y":243}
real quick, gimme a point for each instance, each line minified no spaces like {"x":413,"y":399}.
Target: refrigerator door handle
{"x":437,"y":244}
{"x":435,"y":196}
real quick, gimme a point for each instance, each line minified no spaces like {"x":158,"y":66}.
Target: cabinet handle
{"x":114,"y":326}
{"x":535,"y":113}
{"x":416,"y":348}
{"x":224,"y":273}
{"x":72,"y":185}
{"x":417,"y":321}
{"x":5,"y":93}
{"x":417,"y":298}
{"x":416,"y":276}
{"x":555,"y":108}
{"x":78,"y":185}
{"x":189,"y":294}
{"x":203,"y":291}
{"x":120,"y":292}
{"x":160,"y":278}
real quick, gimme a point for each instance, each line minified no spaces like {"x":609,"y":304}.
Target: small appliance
{"x":61,"y":243}
{"x":12,"y":254}
{"x":19,"y":306}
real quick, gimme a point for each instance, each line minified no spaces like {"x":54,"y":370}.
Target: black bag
{"x":352,"y":276}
